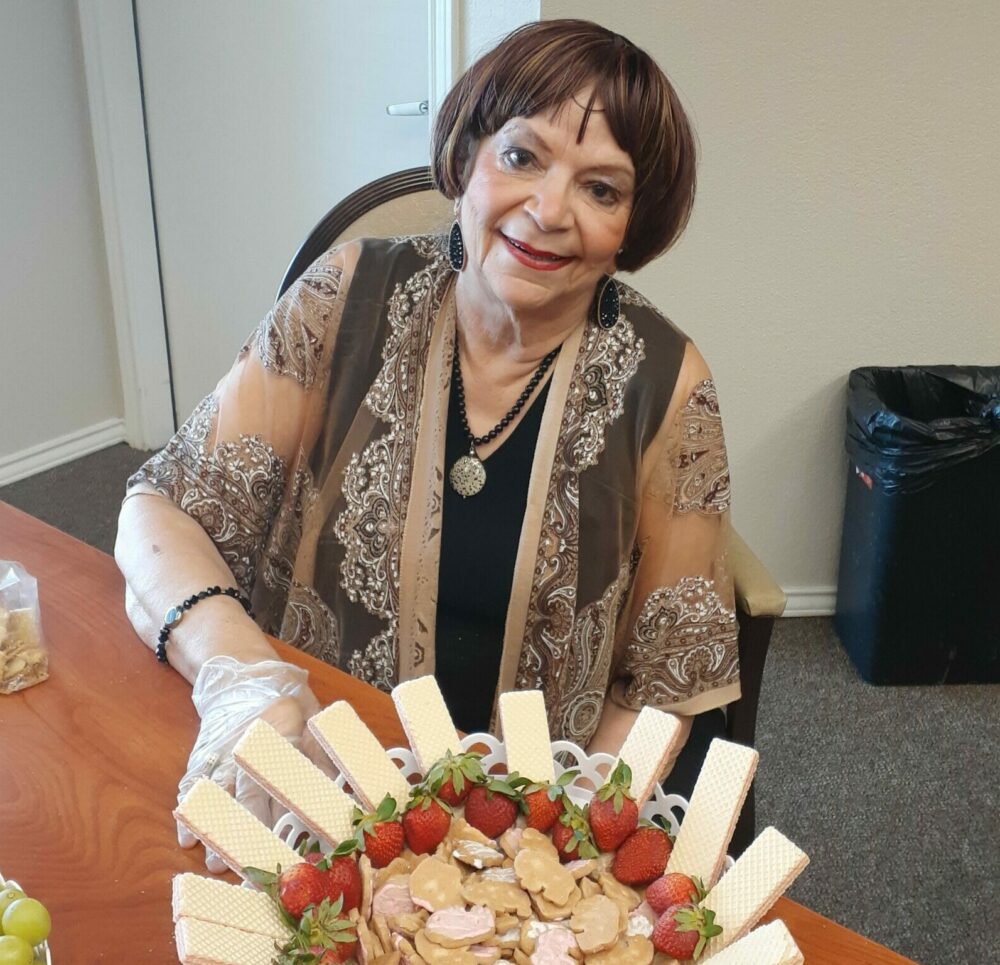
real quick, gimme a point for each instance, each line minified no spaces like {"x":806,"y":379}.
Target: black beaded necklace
{"x":468,"y":474}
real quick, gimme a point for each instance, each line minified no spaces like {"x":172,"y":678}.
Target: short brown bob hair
{"x":538,"y":67}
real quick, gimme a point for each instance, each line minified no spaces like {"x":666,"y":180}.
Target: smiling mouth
{"x":535,"y":253}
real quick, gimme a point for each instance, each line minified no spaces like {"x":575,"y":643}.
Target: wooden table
{"x":90,"y":759}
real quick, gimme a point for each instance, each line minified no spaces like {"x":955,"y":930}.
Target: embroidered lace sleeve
{"x":229,"y":464}
{"x":678,"y":646}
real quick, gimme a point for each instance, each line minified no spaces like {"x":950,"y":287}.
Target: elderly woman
{"x":478,"y":455}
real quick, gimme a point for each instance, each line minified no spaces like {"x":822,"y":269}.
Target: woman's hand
{"x":229,"y":696}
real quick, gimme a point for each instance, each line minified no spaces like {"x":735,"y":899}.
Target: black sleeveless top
{"x":479,"y":537}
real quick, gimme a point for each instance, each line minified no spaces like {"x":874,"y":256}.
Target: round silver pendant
{"x":467,"y":476}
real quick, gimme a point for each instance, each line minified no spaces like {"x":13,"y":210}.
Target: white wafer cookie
{"x":221,"y":903}
{"x":230,"y":830}
{"x":708,"y":825}
{"x":771,"y":944}
{"x":647,"y":748}
{"x":205,"y":943}
{"x":359,"y":756}
{"x":526,"y":734}
{"x":294,"y":780}
{"x":425,"y":718}
{"x":753,"y":884}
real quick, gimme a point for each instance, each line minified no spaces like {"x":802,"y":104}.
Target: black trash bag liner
{"x":906,"y":425}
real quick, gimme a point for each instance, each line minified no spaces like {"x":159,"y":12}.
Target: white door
{"x":261,"y":115}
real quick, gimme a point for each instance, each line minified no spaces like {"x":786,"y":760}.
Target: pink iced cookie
{"x":393,"y":898}
{"x":552,"y":948}
{"x":455,"y":927}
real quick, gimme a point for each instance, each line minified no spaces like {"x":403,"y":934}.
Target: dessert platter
{"x":473,"y":851}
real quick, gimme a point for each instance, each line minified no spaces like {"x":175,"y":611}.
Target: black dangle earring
{"x":456,"y":246}
{"x":608,"y":303}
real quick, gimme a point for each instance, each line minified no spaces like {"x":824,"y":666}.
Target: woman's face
{"x":543,"y":216}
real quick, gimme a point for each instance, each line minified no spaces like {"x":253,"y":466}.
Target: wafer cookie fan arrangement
{"x":472,"y":850}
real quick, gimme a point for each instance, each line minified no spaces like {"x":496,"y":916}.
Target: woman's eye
{"x":517,"y":157}
{"x":603,"y":192}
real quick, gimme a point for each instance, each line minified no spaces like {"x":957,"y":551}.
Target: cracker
{"x":647,"y":748}
{"x":526,"y":735}
{"x":435,"y":885}
{"x":754,"y":883}
{"x":708,"y":825}
{"x":425,"y":718}
{"x":359,"y":756}
{"x":206,"y":943}
{"x":294,"y":780}
{"x":231,"y":831}
{"x":218,"y":902}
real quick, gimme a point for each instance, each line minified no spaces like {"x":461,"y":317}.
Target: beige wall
{"x":481,"y":23}
{"x":58,"y":362}
{"x":848,"y":214}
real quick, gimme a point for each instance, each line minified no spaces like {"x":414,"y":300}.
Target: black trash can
{"x":918,"y":593}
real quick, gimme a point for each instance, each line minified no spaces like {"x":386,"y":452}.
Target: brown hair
{"x":539,"y":67}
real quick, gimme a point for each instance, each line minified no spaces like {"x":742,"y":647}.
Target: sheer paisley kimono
{"x":316,"y":467}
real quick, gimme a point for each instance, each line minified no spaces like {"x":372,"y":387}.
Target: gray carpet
{"x":893,"y":792}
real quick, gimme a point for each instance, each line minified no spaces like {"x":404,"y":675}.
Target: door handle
{"x":410,"y":109}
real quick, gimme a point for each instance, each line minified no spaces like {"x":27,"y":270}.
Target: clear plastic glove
{"x":229,"y":696}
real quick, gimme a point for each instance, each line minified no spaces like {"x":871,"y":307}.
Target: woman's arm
{"x":165,"y":556}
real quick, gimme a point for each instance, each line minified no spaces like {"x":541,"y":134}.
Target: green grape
{"x":28,"y":919}
{"x":15,"y":951}
{"x":8,"y":895}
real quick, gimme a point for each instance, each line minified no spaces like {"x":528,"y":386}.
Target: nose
{"x":549,"y":204}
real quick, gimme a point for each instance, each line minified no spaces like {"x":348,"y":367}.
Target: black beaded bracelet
{"x":175,"y":613}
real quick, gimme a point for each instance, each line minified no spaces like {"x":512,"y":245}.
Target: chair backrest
{"x":404,"y":203}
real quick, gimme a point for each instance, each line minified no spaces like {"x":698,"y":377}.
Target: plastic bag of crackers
{"x":24,"y":661}
{"x":490,"y":860}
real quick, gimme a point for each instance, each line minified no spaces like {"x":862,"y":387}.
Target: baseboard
{"x":56,"y":452}
{"x":810,"y":601}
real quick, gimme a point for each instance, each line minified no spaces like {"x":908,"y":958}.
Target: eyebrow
{"x":522,"y":130}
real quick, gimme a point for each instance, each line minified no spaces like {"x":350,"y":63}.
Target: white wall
{"x":59,"y":386}
{"x":848,"y":214}
{"x":482,"y":23}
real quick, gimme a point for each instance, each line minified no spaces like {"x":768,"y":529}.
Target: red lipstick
{"x":534,"y":257}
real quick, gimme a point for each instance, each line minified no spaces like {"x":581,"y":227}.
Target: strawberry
{"x":454,"y":776}
{"x":674,"y":889}
{"x":682,"y":931}
{"x":571,"y":834}
{"x":642,"y":856}
{"x":325,"y":936}
{"x":379,"y":834}
{"x":492,"y":807}
{"x":545,"y":802}
{"x":343,"y":881}
{"x":299,"y":887}
{"x":426,"y":821}
{"x":613,"y":812}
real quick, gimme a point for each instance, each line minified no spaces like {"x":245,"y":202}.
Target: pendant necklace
{"x":468,"y":474}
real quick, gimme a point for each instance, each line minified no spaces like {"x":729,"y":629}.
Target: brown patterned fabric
{"x":316,"y":467}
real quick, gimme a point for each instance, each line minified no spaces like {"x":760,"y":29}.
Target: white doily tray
{"x":567,"y":756}
{"x":42,"y":953}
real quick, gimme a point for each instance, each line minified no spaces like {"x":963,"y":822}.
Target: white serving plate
{"x":566,"y":755}
{"x":42,"y":953}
